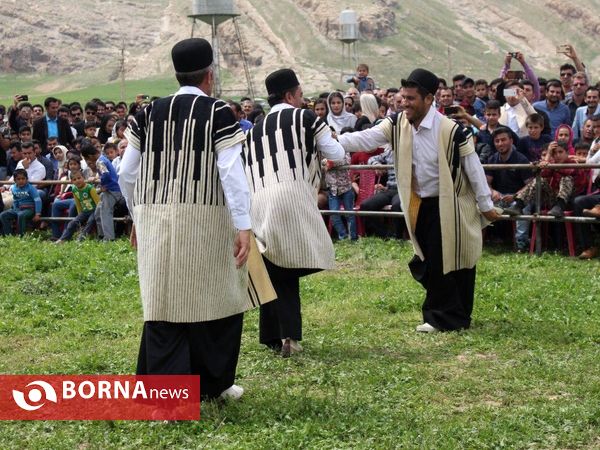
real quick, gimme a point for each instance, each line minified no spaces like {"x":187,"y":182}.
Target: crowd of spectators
{"x":80,"y":146}
{"x":516,"y":118}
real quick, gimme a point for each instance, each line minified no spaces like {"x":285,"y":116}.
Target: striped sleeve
{"x":226,"y":129}
{"x":464,"y":139}
{"x":319,"y":127}
{"x":136,"y":131}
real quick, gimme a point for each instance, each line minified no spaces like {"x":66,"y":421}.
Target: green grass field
{"x":524,"y":376}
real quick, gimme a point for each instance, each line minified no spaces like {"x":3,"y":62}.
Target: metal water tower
{"x":215,"y":12}
{"x":349,"y":34}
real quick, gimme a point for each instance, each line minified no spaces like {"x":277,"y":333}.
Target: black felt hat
{"x":422,"y":78}
{"x":191,"y":55}
{"x":281,"y":80}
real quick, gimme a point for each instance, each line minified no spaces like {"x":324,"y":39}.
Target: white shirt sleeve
{"x":330,"y":148}
{"x":478,"y":180}
{"x":361,"y":141}
{"x":129,"y":168}
{"x":235,"y":185}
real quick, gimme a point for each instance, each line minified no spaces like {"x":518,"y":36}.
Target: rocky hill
{"x":84,"y":38}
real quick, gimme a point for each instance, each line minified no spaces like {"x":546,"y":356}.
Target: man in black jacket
{"x":52,"y":125}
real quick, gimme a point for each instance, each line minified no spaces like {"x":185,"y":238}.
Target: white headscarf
{"x":369,"y":107}
{"x":342,"y":120}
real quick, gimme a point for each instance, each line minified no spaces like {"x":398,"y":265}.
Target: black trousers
{"x":584,"y":230}
{"x":449,"y":298}
{"x":282,"y":318}
{"x":209,"y":349}
{"x":376,"y":226}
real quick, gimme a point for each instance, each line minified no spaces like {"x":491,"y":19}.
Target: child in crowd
{"x":27,"y":205}
{"x":64,"y":204}
{"x":558,"y":185}
{"x":532,"y":144}
{"x":341,"y":193}
{"x":565,"y":133}
{"x":86,"y":199}
{"x":485,"y":142}
{"x":89,"y":130}
{"x":111,"y":192}
{"x":110,"y":150}
{"x":481,"y":90}
{"x":581,"y":152}
{"x":362,"y":81}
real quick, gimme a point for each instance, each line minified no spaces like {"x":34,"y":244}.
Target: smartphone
{"x":513,"y":54}
{"x":24,"y":97}
{"x":448,"y":110}
{"x":562,"y":49}
{"x":509,"y":93}
{"x":515,"y":75}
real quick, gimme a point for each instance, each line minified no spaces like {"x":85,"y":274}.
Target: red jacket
{"x":553,"y":176}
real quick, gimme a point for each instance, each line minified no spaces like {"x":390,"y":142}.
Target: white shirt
{"x":425,"y":158}
{"x":229,"y":164}
{"x":594,"y":159}
{"x":512,"y":121}
{"x":328,"y":146}
{"x":35,"y":172}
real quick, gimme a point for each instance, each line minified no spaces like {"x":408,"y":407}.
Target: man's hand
{"x":496,"y":196}
{"x":36,"y":218}
{"x":571,"y":53}
{"x":491,"y":215}
{"x":133,"y":237}
{"x":26,"y":163}
{"x":241,"y":247}
{"x":508,"y":198}
{"x":507,"y":59}
{"x":521,"y":58}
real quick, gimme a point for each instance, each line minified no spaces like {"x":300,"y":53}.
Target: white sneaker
{"x":426,"y":328}
{"x":234,"y":392}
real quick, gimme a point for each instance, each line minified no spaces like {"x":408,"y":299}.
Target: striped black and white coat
{"x":184,"y":229}
{"x":282,"y":156}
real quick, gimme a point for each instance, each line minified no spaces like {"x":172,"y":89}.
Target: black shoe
{"x":556,"y":211}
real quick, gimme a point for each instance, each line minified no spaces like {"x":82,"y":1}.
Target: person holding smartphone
{"x":529,"y":73}
{"x":514,"y":112}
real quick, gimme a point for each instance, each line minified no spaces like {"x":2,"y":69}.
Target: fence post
{"x":538,"y":210}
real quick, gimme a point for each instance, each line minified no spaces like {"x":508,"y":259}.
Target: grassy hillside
{"x":447,"y":37}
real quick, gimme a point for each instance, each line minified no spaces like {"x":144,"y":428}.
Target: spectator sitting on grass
{"x":86,"y":199}
{"x":27,"y":205}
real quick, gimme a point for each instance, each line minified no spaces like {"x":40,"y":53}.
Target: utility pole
{"x":122,"y":70}
{"x":449,"y":64}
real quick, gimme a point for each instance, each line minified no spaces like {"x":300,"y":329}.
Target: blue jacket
{"x":108,"y":175}
{"x":26,"y":197}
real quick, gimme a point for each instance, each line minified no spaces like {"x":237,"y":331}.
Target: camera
{"x":514,"y":54}
{"x":24,"y":97}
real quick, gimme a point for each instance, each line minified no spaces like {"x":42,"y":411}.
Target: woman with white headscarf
{"x":338,"y":117}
